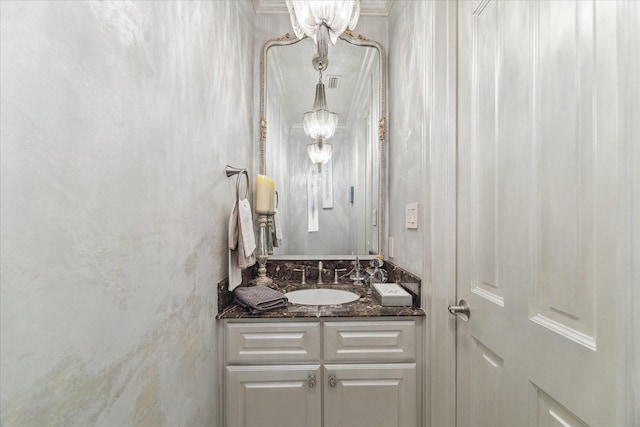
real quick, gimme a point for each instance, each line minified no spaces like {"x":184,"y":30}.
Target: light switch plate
{"x":411,"y":215}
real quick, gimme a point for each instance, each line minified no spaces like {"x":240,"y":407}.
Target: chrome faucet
{"x":303,"y":281}
{"x":320,"y":273}
{"x":336,"y":278}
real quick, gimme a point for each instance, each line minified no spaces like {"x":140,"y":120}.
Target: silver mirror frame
{"x":358,"y":40}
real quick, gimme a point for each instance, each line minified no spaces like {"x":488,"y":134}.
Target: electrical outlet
{"x":411,"y":216}
{"x":392,"y":247}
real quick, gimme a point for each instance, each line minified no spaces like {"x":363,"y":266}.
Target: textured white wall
{"x":408,"y":128}
{"x":117,"y":119}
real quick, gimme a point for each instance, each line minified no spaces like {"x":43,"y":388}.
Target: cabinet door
{"x":370,"y":395}
{"x":273,"y":396}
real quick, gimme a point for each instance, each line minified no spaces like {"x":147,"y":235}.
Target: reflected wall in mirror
{"x":349,"y":207}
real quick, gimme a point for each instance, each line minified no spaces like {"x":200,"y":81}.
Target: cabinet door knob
{"x":312,"y":381}
{"x":332,"y":381}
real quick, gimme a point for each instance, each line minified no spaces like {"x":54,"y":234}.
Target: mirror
{"x":343,"y":198}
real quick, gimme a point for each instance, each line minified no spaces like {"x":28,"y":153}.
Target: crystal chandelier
{"x":323,"y":21}
{"x":320,"y":123}
{"x":319,"y":152}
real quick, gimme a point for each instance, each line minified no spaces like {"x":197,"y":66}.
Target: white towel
{"x":241,"y":242}
{"x":235,"y":273}
{"x":246,"y":228}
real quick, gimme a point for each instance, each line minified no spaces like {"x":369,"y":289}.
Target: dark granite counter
{"x":366,"y":306}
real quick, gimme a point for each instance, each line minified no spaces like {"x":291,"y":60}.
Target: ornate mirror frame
{"x":358,"y":40}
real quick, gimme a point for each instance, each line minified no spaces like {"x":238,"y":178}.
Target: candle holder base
{"x":262,"y":280}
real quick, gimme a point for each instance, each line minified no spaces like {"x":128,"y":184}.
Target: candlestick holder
{"x":262,"y":278}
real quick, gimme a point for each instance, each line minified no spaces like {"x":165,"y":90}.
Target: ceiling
{"x":367,"y":7}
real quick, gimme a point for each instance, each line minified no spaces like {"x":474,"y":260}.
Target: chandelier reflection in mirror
{"x":319,"y":152}
{"x":324,"y":21}
{"x":320,"y":123}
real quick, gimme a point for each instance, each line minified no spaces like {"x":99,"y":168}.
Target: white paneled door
{"x":537,"y":213}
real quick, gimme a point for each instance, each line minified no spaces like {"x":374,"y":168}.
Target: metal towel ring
{"x":230,"y":170}
{"x":246,"y":190}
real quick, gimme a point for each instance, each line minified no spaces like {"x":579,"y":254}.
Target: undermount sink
{"x":321,"y":296}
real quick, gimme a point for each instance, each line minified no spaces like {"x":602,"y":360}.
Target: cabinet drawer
{"x":389,"y":341}
{"x":272,"y":342}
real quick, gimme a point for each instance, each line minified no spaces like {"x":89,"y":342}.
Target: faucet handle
{"x":304,"y":276}
{"x":335,"y":276}
{"x":376,"y":263}
{"x":320,"y":270}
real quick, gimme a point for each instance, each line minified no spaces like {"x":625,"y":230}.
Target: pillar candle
{"x":263,"y":187}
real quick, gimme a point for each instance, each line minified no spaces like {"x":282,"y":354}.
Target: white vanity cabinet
{"x":337,"y":372}
{"x":370,"y":373}
{"x":272,"y":374}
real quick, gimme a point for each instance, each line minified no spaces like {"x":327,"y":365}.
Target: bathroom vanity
{"x":338,"y":372}
{"x":352,"y":364}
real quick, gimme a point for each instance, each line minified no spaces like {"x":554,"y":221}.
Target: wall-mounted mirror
{"x":345,"y":216}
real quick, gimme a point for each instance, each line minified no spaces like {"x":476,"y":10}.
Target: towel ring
{"x":230,"y":170}
{"x":246,"y":191}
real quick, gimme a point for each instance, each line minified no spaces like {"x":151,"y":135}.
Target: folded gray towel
{"x":259,"y":298}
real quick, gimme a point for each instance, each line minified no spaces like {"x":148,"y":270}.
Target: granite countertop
{"x":366,"y":306}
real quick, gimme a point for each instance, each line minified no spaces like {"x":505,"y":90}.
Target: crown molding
{"x":367,"y":7}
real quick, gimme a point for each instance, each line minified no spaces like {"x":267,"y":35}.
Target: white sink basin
{"x":321,"y":296}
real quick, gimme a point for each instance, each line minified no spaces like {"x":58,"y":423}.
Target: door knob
{"x":461,"y":310}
